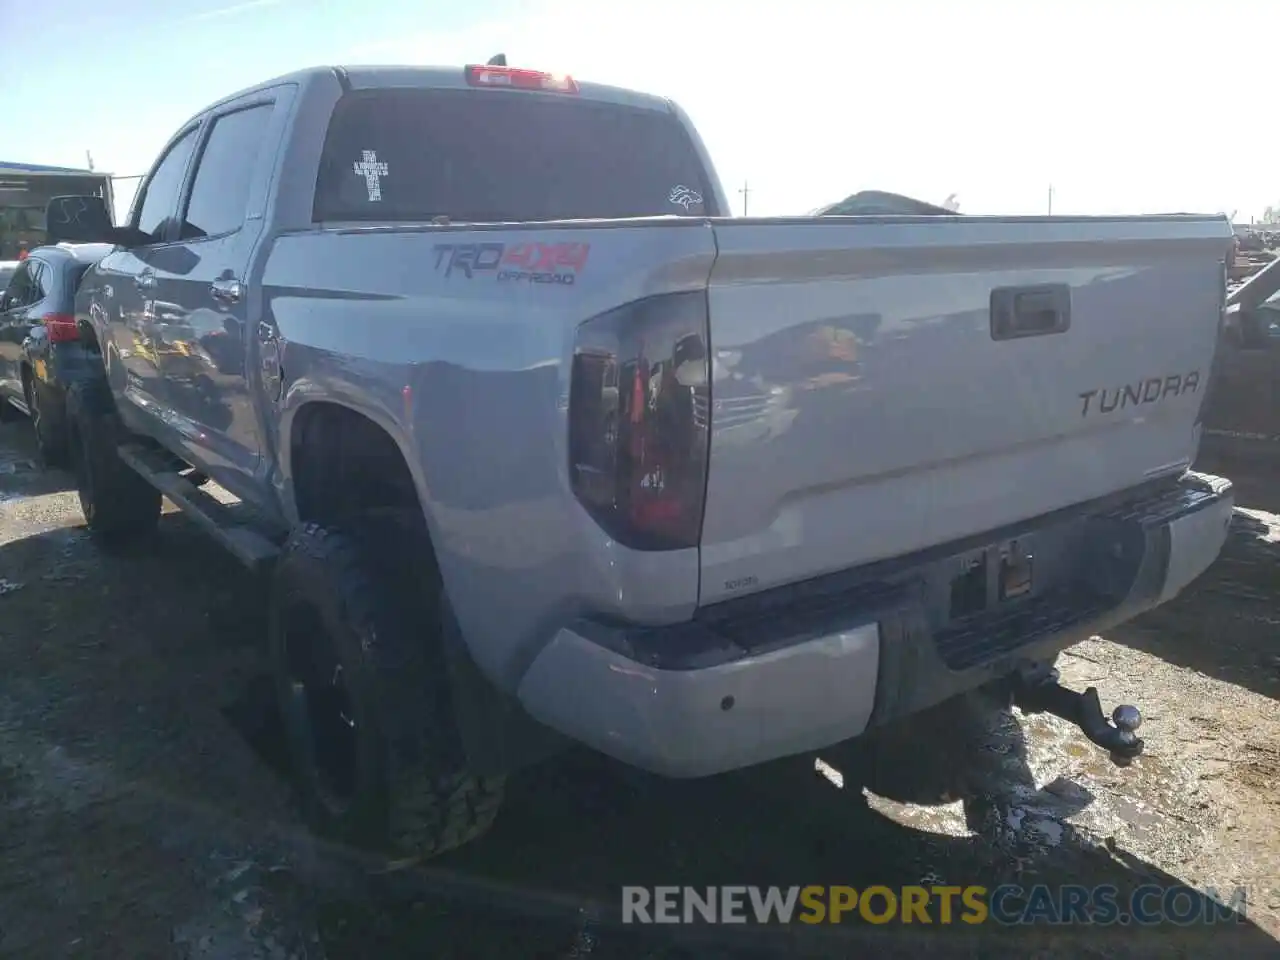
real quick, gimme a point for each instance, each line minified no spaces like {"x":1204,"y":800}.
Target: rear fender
{"x":497,"y":735}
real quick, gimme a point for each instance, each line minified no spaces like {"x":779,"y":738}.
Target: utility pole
{"x":89,"y":157}
{"x":746,"y":194}
{"x":1051,"y":199}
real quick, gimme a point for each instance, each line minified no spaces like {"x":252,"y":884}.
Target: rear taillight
{"x":639,"y":399}
{"x":513,"y":78}
{"x":61,"y":327}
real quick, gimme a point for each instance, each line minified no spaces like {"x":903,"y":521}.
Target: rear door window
{"x":487,"y":155}
{"x":220,"y":191}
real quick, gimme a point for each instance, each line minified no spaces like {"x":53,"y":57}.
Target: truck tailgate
{"x":880,"y":385}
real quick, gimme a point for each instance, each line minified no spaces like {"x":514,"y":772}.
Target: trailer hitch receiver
{"x":1119,"y":736}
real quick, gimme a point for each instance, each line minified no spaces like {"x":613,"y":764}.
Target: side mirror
{"x":79,"y":220}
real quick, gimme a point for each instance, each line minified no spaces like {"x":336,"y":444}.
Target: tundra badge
{"x":1138,"y":393}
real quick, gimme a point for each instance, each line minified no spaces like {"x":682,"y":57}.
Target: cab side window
{"x":159,"y":203}
{"x":220,"y":191}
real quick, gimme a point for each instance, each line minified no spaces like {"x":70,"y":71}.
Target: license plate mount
{"x":1017,"y":569}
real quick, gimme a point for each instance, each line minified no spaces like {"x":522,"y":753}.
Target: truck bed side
{"x":469,"y":372}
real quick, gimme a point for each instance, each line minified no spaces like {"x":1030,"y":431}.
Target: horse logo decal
{"x":683,"y":196}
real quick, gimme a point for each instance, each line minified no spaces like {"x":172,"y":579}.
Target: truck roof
{"x":440,"y":78}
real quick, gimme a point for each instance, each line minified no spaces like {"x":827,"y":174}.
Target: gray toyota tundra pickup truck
{"x":539,"y":446}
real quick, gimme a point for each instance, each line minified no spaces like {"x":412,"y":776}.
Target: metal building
{"x":25,"y":189}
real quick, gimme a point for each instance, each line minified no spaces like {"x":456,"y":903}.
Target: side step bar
{"x":225,"y":522}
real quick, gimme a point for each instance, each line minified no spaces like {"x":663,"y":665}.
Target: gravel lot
{"x":142,"y":813}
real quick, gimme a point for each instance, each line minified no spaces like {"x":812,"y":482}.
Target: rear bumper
{"x":806,"y":666}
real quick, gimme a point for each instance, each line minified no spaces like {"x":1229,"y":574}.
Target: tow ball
{"x":1119,"y":736}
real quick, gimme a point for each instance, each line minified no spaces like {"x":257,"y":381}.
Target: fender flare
{"x":307,"y":391}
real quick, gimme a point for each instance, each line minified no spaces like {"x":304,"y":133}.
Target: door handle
{"x":229,"y":290}
{"x":145,"y":280}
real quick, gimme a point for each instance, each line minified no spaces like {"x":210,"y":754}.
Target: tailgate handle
{"x":1030,"y":311}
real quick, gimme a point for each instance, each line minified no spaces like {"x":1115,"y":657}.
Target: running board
{"x":226,"y":523}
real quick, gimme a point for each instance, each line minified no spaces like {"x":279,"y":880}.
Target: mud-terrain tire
{"x":119,"y":506}
{"x":51,"y":442}
{"x":392,"y":776}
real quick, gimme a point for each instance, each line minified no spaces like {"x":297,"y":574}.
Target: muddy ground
{"x":142,"y":813}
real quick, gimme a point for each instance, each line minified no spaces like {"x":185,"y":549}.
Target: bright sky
{"x":1123,"y":106}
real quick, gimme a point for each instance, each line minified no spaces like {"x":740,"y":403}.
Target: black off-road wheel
{"x":364,"y":693}
{"x":51,"y":435}
{"x":120,"y":508}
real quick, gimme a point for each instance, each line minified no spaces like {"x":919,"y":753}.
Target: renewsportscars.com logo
{"x":532,"y":262}
{"x":1007,"y":905}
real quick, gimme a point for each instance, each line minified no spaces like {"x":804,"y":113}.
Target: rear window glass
{"x":486,"y":155}
{"x":73,"y":274}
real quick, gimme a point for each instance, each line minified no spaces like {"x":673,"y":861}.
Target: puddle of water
{"x":944,"y":820}
{"x":1063,"y":789}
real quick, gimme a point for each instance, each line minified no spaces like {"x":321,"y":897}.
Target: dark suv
{"x":41,"y":351}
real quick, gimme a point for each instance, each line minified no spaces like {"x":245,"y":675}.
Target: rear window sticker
{"x":373,"y":170}
{"x":683,"y":196}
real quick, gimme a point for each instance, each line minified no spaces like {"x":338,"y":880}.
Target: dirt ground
{"x":142,"y":813}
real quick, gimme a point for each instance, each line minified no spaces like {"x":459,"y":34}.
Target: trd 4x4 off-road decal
{"x":534,"y":262}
